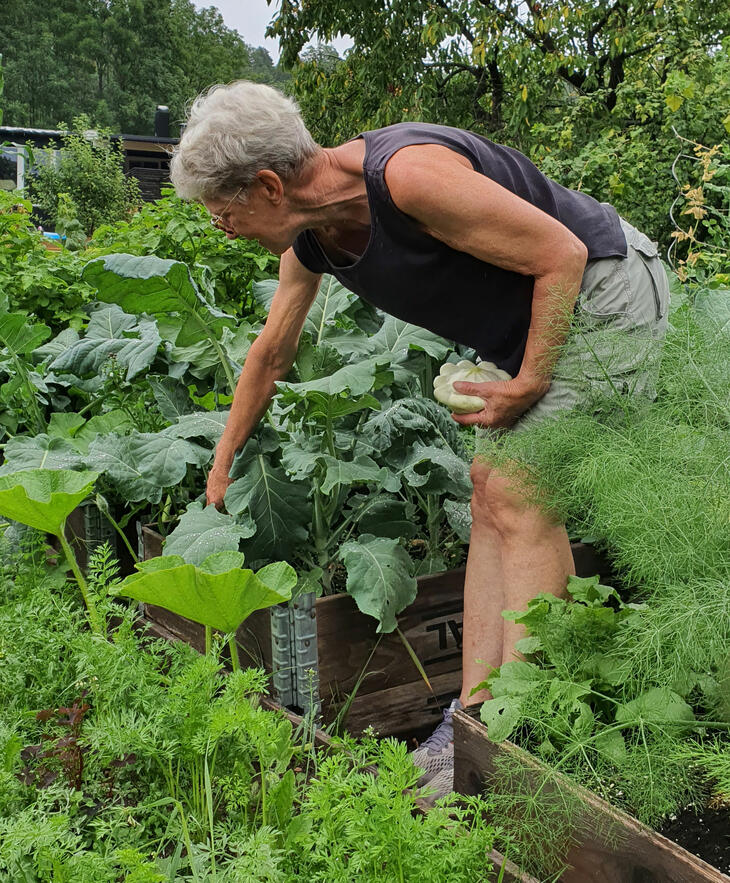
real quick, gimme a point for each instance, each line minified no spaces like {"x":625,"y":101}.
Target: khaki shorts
{"x":614,"y":344}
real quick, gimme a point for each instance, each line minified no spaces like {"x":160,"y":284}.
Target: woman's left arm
{"x":472,"y":213}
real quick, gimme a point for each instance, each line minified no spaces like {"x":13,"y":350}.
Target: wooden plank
{"x":432,"y":625}
{"x":75,"y":533}
{"x":152,"y":542}
{"x":398,"y":710}
{"x":619,"y":848}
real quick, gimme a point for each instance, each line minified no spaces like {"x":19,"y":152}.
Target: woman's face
{"x":264,"y":216}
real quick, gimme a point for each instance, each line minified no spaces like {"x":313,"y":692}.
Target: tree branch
{"x":463,"y":27}
{"x":591,"y":35}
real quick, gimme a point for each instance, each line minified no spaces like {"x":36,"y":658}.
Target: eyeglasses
{"x":217,"y":220}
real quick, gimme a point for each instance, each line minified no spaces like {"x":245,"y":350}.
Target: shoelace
{"x":442,"y":735}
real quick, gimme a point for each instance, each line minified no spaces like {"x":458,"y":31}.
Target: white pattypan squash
{"x":443,"y":385}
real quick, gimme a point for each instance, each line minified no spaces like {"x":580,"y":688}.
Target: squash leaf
{"x":44,"y":498}
{"x":219,"y":593}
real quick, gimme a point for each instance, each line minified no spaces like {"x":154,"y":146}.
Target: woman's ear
{"x":272,"y":187}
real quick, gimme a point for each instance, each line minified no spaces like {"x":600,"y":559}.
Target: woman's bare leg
{"x":536,"y":558}
{"x":516,"y":551}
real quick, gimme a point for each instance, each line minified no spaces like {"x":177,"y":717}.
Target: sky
{"x":250,"y":18}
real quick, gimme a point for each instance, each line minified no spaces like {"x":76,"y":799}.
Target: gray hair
{"x":232,"y":133}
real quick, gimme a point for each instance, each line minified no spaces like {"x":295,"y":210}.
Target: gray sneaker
{"x":436,"y":754}
{"x":441,"y":785}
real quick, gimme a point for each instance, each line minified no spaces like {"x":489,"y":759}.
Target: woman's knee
{"x":496,"y":500}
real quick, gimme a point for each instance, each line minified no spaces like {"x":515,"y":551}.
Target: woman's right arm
{"x":269,"y":359}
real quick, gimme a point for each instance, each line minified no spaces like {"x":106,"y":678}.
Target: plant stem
{"x":73,"y":564}
{"x":186,"y":837}
{"x":223,"y":358}
{"x":107,"y":514}
{"x":209,"y":806}
{"x":264,"y":808}
{"x":40,"y":423}
{"x":208,"y":640}
{"x":235,"y":661}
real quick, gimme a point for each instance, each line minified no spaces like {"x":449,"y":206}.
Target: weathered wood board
{"x":610,"y":846}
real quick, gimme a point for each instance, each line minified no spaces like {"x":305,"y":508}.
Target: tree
{"x":589,"y":90}
{"x":116,"y":60}
{"x":500,"y":59}
{"x":262,"y":69}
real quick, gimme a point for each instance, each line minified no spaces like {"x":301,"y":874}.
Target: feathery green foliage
{"x":136,"y":759}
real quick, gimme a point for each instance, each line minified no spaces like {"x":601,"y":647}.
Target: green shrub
{"x":91,"y":172}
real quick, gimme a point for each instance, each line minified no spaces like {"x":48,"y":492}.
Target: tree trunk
{"x":497,"y":84}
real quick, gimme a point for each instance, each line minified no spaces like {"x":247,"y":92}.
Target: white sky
{"x":250,"y":18}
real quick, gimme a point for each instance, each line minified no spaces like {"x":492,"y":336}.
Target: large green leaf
{"x":458,"y":514}
{"x":203,"y":531}
{"x":59,"y":344}
{"x":313,"y":361}
{"x":41,"y":452}
{"x":264,"y":291}
{"x":361,"y":469}
{"x":18,"y":336}
{"x":383,"y":516}
{"x":151,"y":285}
{"x":659,"y":706}
{"x":398,"y":337}
{"x":435,"y":469}
{"x":218,"y":593}
{"x":142,"y":464}
{"x":200,"y":424}
{"x":198,"y":358}
{"x":321,"y":406}
{"x":65,"y":424}
{"x":356,"y":379}
{"x":111,"y":333}
{"x":300,"y":456}
{"x":172,"y":397}
{"x":278,"y":506}
{"x":336,"y":395}
{"x":44,"y":498}
{"x":332,"y":302}
{"x":117,"y":421}
{"x":415,"y":419}
{"x":379,"y":578}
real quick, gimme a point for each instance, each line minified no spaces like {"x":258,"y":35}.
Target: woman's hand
{"x":218,"y":484}
{"x":505,"y":401}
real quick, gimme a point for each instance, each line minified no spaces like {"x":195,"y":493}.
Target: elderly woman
{"x":449,"y":231}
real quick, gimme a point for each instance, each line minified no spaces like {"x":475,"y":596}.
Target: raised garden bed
{"x":338,"y":643}
{"x":609,"y":845}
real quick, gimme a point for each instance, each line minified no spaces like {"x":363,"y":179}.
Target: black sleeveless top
{"x":418,"y":278}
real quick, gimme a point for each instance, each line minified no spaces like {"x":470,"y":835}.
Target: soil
{"x":705,"y":833}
